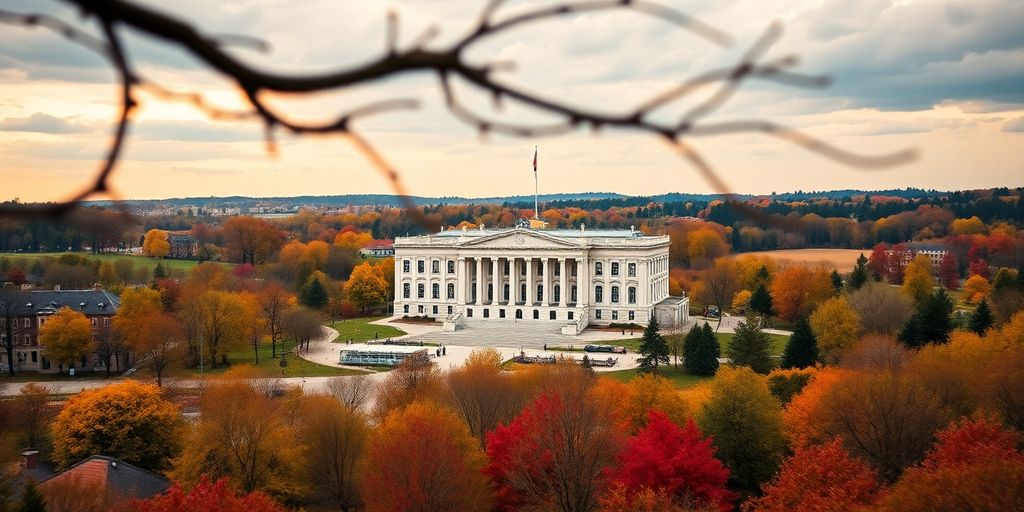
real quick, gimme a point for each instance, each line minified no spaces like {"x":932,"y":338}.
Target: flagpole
{"x":536,"y":205}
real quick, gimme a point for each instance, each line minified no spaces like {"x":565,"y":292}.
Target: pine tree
{"x":314,"y":296}
{"x":762,"y":276}
{"x":931,"y":322}
{"x":859,"y":276}
{"x":982,"y":319}
{"x":690,"y":344}
{"x":704,"y":357}
{"x":159,"y":272}
{"x":837,"y":281}
{"x":31,"y":500}
{"x":750,"y":346}
{"x":761,"y":301}
{"x":802,"y":348}
{"x":653,"y":349}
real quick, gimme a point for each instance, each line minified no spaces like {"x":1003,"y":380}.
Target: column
{"x":563,"y":299}
{"x":460,"y":281}
{"x":496,"y":280}
{"x":546,"y":282}
{"x":513,"y":281}
{"x":398,"y":283}
{"x":479,"y":281}
{"x":644,"y":276}
{"x":529,"y":282}
{"x":582,"y":282}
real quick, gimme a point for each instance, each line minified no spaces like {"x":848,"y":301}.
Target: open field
{"x":678,"y":376}
{"x":268,"y":366}
{"x":633,"y":344}
{"x":138,"y":261}
{"x":360,"y":329}
{"x":842,"y":259}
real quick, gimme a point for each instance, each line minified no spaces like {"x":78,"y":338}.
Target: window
{"x":598,"y":269}
{"x":631,"y":270}
{"x":558,"y":268}
{"x":435,"y":267}
{"x":451,"y":290}
{"x":632,"y":316}
{"x":598,"y":293}
{"x":505,"y":292}
{"x":615,"y":268}
{"x":572,"y":294}
{"x":522,"y":269}
{"x":420,"y":309}
{"x":27,"y":322}
{"x":434,"y":309}
{"x":569,"y":313}
{"x":405,"y":309}
{"x":597,"y":314}
{"x":552,"y":315}
{"x":487,"y":313}
{"x":93,"y":322}
{"x":450,"y":310}
{"x":490,"y":293}
{"x":540,"y":268}
{"x":508,"y":267}
{"x":419,"y":267}
{"x":419,"y":290}
{"x":451,"y":267}
{"x":435,"y":291}
{"x":615,"y":314}
{"x":631,"y":294}
{"x":522,"y":291}
{"x":28,"y":339}
{"x":106,"y":322}
{"x":469,"y":312}
{"x":501,"y":313}
{"x":540,"y":293}
{"x":405,"y":266}
{"x":615,"y":294}
{"x":536,"y":314}
{"x":35,"y":357}
{"x":558,"y":293}
{"x":405,"y":291}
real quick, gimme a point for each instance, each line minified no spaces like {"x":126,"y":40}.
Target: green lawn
{"x":633,"y":344}
{"x":138,"y":261}
{"x":778,"y":342}
{"x":297,"y":367}
{"x":360,"y":329}
{"x":678,"y":376}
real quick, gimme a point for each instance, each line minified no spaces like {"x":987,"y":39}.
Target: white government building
{"x":573,"y":277}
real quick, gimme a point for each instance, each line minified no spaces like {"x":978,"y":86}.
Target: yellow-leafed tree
{"x":155,"y":244}
{"x":836,"y":325}
{"x":918,"y":279}
{"x":66,"y":336}
{"x":366,"y":287}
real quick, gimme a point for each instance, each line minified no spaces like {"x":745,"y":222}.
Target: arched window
{"x":406,"y":290}
{"x":631,"y":294}
{"x":615,"y":294}
{"x":451,"y":290}
{"x":598,"y":293}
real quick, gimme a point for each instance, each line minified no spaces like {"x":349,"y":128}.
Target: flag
{"x":535,"y":159}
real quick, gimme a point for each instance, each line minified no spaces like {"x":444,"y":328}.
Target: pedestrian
{"x":374,"y":335}
{"x":438,"y":352}
{"x":623,"y":332}
{"x":545,"y":347}
{"x":443,"y":351}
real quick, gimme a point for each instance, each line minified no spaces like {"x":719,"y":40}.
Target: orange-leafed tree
{"x":803,"y":419}
{"x":205,"y":495}
{"x":797,"y":290}
{"x":975,"y":465}
{"x":976,"y":288}
{"x":160,"y":344}
{"x":250,"y":240}
{"x":414,"y":379}
{"x":66,"y":336}
{"x":675,"y":461}
{"x":366,"y":287}
{"x":423,"y":457}
{"x":918,"y":279}
{"x":482,"y":394}
{"x":155,"y":244}
{"x":335,"y":438}
{"x":130,"y":421}
{"x":818,"y":478}
{"x":352,"y":240}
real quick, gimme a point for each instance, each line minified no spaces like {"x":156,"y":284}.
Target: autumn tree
{"x":155,"y":244}
{"x":66,"y":336}
{"x":653,"y":349}
{"x":859,"y":275}
{"x":553,"y":454}
{"x":804,"y":418}
{"x":975,"y":289}
{"x":160,"y":343}
{"x":675,"y":461}
{"x":31,"y":408}
{"x":797,"y":290}
{"x":219,"y":496}
{"x":243,"y":435}
{"x":414,"y":379}
{"x":931,"y":322}
{"x":423,"y":457}
{"x":949,"y":272}
{"x":744,"y":421}
{"x":335,"y":438}
{"x":817,"y":478}
{"x":631,"y":402}
{"x":802,"y":347}
{"x":129,"y":421}
{"x":313,"y":295}
{"x":701,"y":351}
{"x":249,"y":240}
{"x":274,"y":304}
{"x":878,"y":263}
{"x":918,"y":281}
{"x":353,"y":391}
{"x":482,"y":394}
{"x":876,"y":352}
{"x":836,"y":327}
{"x":718,"y":284}
{"x":366,"y":287}
{"x":216,"y":321}
{"x":741,"y":302}
{"x":881,"y":308}
{"x":974,"y":465}
{"x":750,"y":346}
{"x":303,"y":326}
{"x":9,"y":298}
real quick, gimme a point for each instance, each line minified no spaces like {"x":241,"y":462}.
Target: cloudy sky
{"x":945,"y":78}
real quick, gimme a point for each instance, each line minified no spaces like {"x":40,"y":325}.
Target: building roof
{"x":927,"y":246}
{"x":526,"y":237}
{"x":562,"y":233}
{"x":379,"y":244}
{"x":115,"y":476}
{"x":45,"y":302}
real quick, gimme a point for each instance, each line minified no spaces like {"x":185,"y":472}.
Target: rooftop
{"x":90,"y":302}
{"x":563,"y":233}
{"x":115,"y":476}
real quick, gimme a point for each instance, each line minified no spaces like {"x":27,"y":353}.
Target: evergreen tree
{"x":982,"y":319}
{"x":31,"y":500}
{"x":859,"y":276}
{"x":761,"y":301}
{"x":159,"y":272}
{"x":690,"y":344}
{"x":750,"y":346}
{"x":802,"y":347}
{"x":703,"y":359}
{"x":314,"y":296}
{"x":653,"y":349}
{"x":837,"y":281}
{"x":762,"y":276}
{"x":931,"y":323}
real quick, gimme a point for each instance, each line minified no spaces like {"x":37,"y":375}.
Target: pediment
{"x":520,"y":239}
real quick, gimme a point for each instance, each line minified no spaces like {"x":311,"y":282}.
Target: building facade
{"x":30,"y":309}
{"x":574,"y":277}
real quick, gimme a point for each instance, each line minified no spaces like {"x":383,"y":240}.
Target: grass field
{"x":360,"y":329}
{"x":842,"y":260}
{"x":297,"y":367}
{"x":138,"y":261}
{"x":633,"y":344}
{"x":678,"y":376}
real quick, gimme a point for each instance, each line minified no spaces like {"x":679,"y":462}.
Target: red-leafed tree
{"x":978,"y":268}
{"x":898,"y":258}
{"x":673,"y":461}
{"x":975,"y":465}
{"x":949,"y":274}
{"x":217,"y":497}
{"x":554,"y":454}
{"x":878,"y":263}
{"x":16,"y":276}
{"x":817,"y":479}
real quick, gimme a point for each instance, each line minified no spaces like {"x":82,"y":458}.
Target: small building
{"x":105,"y":480}
{"x":934,"y":251}
{"x":378,"y":249}
{"x":183,"y":246}
{"x":363,"y":354}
